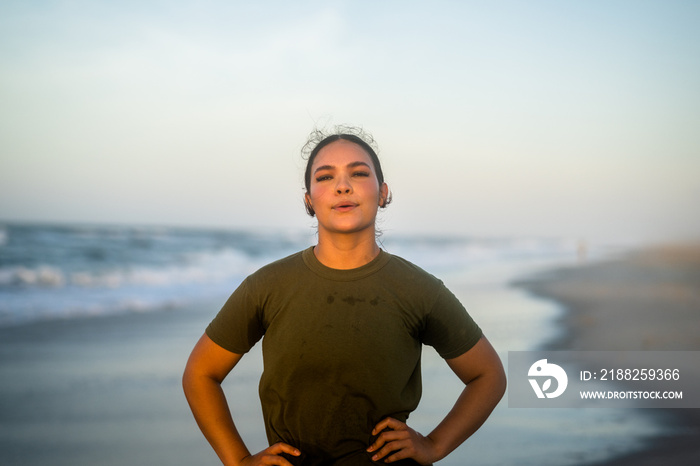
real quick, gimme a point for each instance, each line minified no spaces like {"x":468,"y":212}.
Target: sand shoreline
{"x":646,"y":300}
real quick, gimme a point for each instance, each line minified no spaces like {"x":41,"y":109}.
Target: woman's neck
{"x":345,"y":251}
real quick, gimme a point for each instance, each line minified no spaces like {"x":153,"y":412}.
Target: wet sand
{"x":645,"y":300}
{"x":99,"y":391}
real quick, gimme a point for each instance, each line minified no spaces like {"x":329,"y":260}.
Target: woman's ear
{"x":384,"y":196}
{"x":307,"y":204}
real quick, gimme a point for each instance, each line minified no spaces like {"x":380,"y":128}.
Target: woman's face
{"x":344,"y":190}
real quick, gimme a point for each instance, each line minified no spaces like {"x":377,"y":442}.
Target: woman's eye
{"x":361,"y":174}
{"x":323,"y":178}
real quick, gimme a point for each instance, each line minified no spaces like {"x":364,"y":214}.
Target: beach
{"x":105,"y":389}
{"x":645,"y":300}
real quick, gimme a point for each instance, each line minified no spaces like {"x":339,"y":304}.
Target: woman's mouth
{"x":344,"y":206}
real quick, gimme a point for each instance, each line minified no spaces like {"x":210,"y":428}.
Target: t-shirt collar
{"x":344,"y":275}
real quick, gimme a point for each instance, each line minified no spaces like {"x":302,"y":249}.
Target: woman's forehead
{"x":341,"y":153}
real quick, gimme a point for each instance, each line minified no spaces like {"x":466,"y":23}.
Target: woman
{"x":344,"y":323}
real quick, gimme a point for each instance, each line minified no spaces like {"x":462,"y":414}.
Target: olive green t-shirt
{"x":341,"y":348}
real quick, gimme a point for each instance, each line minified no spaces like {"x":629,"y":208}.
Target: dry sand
{"x":646,"y":300}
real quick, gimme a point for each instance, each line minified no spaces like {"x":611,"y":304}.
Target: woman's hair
{"x":319,"y":139}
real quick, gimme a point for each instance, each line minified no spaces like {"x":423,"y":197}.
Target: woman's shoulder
{"x":288,"y":264}
{"x":408,"y":270}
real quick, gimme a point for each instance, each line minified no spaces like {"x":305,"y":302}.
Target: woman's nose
{"x":343,"y":186}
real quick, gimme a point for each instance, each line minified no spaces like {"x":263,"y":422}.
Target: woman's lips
{"x":344,"y":206}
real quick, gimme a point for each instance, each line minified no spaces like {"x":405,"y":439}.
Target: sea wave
{"x":49,"y":272}
{"x":3,"y":236}
{"x":42,"y":276}
{"x":203,"y":268}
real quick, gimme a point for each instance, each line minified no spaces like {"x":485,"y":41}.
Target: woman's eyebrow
{"x":324,"y":167}
{"x":350,"y":165}
{"x":358,"y":164}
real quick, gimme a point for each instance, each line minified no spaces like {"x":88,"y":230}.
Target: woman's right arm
{"x":206,"y":368}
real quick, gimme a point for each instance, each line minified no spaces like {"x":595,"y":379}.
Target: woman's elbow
{"x":187,"y":381}
{"x":501,"y":381}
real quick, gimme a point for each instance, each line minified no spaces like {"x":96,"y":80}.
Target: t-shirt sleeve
{"x":238,"y":325}
{"x":449,"y":328}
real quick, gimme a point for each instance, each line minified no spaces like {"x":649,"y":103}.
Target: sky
{"x":542,"y":118}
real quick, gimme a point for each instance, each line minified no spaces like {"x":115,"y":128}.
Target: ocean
{"x":70,"y":273}
{"x":61,"y":272}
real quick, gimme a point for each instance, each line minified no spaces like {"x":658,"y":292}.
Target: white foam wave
{"x":42,"y":276}
{"x":46,"y":292}
{"x":200,"y":268}
{"x":444,"y":256}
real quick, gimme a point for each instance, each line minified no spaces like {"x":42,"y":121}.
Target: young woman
{"x":343,"y":325}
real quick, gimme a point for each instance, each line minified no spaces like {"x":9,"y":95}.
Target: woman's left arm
{"x":481,"y":371}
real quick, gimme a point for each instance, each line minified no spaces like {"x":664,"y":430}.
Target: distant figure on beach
{"x":343,"y":324}
{"x":582,"y":251}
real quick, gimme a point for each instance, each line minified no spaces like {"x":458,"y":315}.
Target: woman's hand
{"x":397,"y":441}
{"x":271,"y":455}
